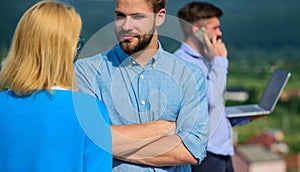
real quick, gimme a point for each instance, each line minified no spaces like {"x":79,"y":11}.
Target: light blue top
{"x":42,"y":133}
{"x":220,"y":139}
{"x":165,"y":89}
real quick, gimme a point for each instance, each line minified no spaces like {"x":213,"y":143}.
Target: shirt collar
{"x":121,"y":53}
{"x":156,"y":55}
{"x":189,"y":50}
{"x":126,"y":59}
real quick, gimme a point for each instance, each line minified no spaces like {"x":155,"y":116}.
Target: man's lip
{"x":127,"y":37}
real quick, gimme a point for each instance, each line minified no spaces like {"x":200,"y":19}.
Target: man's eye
{"x":119,"y":16}
{"x":138,"y":17}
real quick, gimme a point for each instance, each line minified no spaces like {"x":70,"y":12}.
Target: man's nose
{"x":128,"y":23}
{"x":219,"y":33}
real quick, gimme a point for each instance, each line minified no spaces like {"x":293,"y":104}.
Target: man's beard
{"x":143,"y":41}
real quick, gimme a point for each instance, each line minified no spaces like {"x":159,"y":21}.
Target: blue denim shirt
{"x":166,"y":88}
{"x":220,"y":140}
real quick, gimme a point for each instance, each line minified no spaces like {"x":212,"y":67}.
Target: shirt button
{"x":143,"y":102}
{"x":142,"y":76}
{"x":133,"y":62}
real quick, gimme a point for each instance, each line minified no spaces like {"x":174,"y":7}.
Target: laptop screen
{"x":273,"y":90}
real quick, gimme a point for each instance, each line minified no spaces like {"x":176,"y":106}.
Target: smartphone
{"x":199,"y":35}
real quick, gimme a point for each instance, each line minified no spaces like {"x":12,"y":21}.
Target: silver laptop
{"x":268,"y":100}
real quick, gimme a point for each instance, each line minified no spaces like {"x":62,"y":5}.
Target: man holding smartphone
{"x":204,"y":47}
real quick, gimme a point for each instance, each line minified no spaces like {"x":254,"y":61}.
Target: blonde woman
{"x":39,"y":126}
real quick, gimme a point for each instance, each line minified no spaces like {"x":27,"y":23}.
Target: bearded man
{"x":139,"y":82}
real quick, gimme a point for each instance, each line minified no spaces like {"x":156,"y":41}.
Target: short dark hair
{"x":195,"y":11}
{"x":157,"y":4}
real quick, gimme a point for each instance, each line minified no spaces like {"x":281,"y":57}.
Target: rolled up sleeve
{"x":193,"y":118}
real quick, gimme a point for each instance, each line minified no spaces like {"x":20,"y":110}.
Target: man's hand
{"x":220,"y":47}
{"x":213,"y":48}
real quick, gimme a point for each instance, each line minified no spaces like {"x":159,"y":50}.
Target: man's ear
{"x":160,"y":17}
{"x":195,"y":28}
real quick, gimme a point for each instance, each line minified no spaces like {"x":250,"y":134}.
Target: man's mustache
{"x":129,"y":33}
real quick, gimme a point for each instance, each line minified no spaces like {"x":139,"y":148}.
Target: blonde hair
{"x":42,"y":50}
